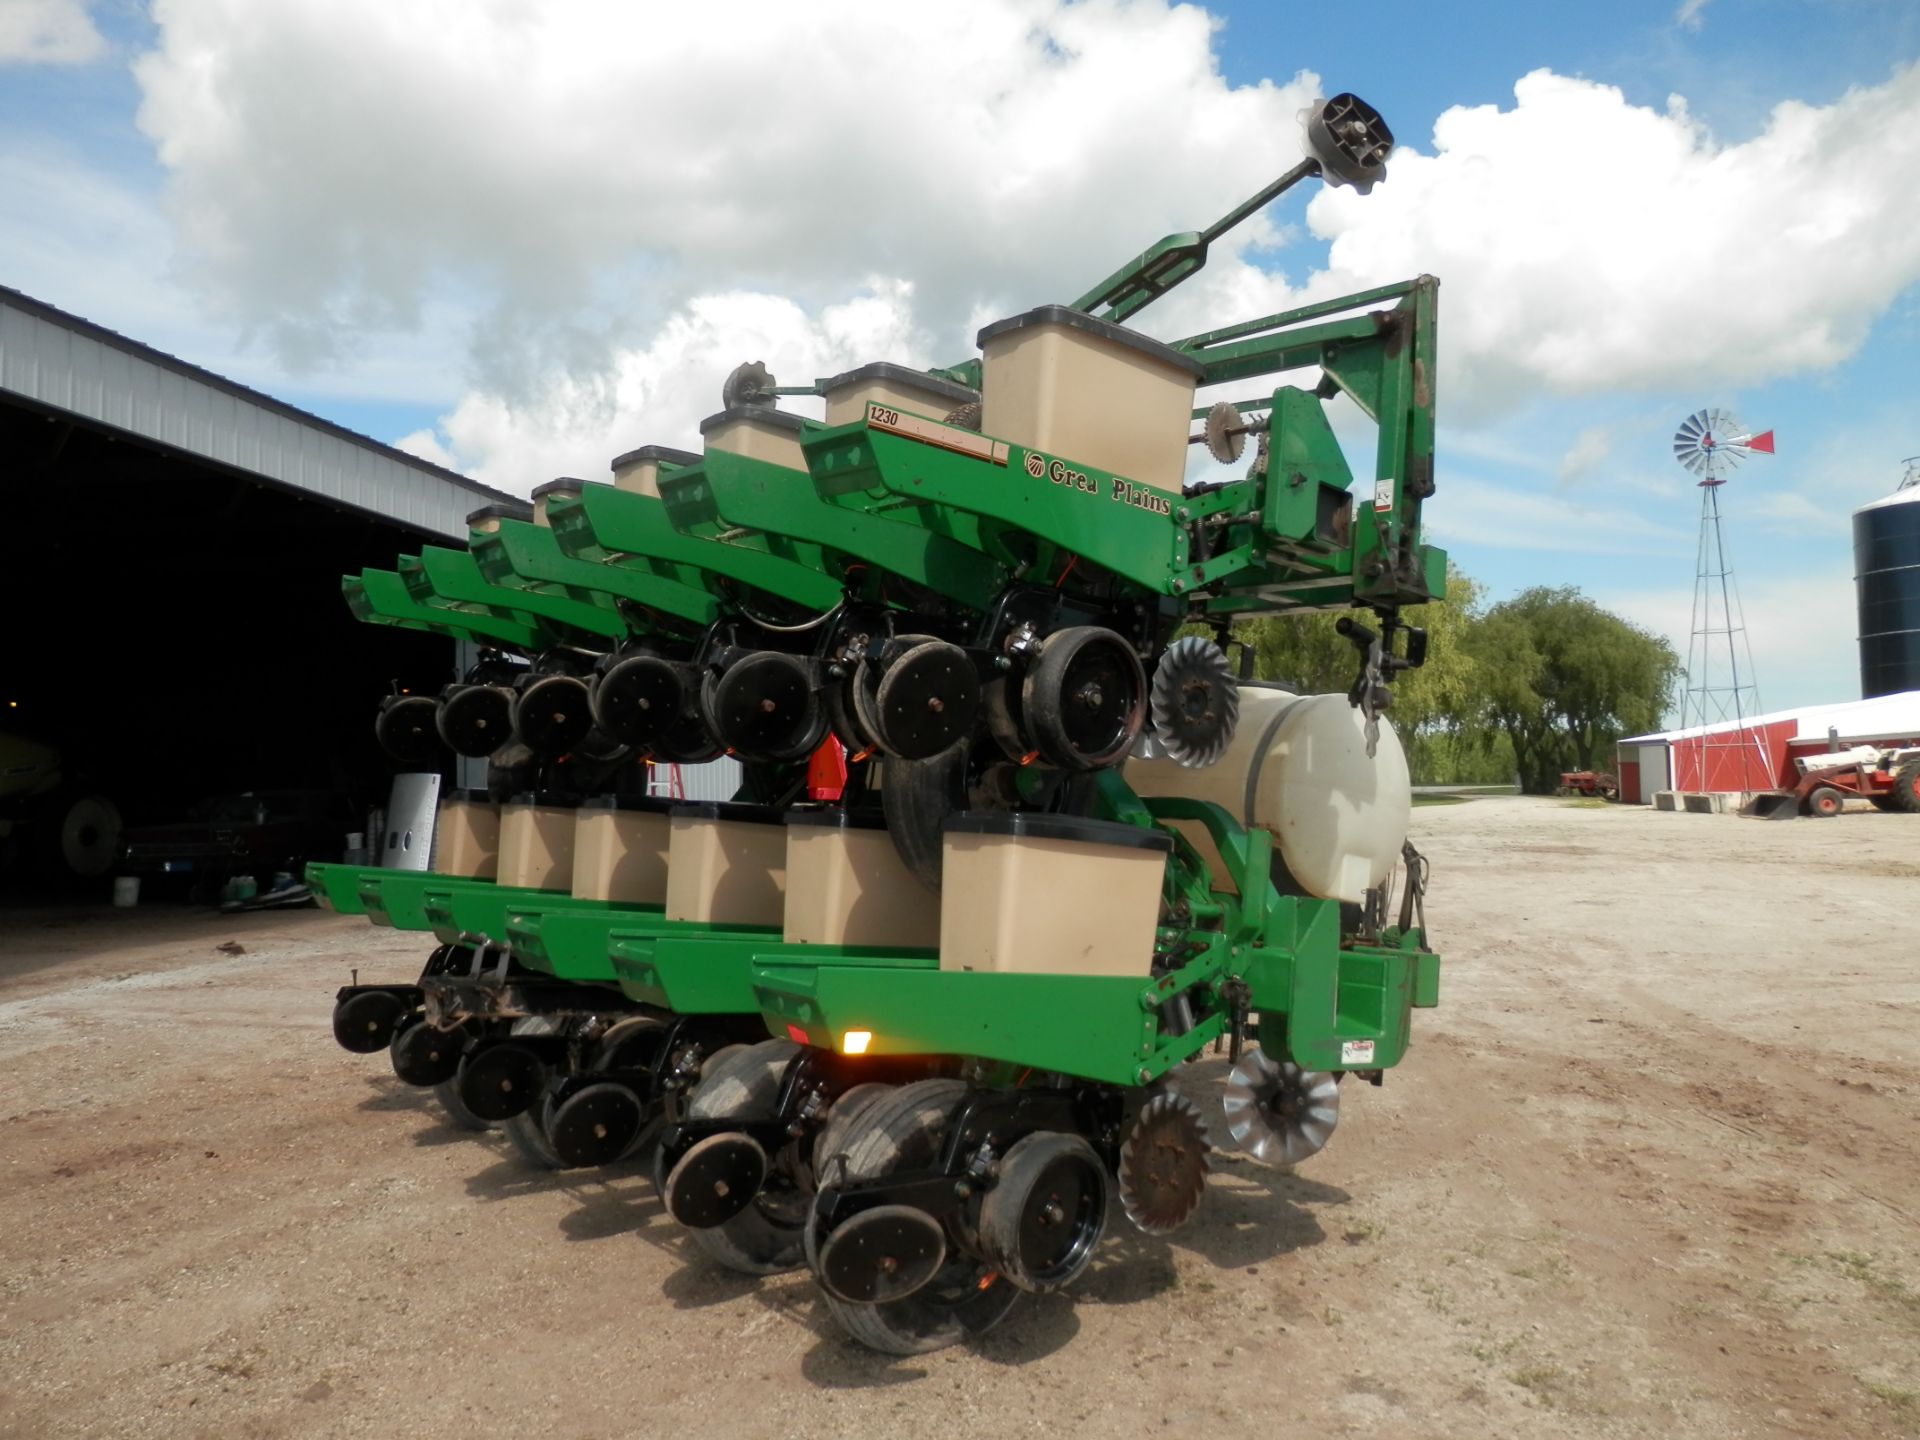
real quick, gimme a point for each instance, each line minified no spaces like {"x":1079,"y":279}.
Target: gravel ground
{"x":1650,"y":1170}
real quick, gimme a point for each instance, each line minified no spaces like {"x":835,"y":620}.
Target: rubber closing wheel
{"x":881,"y":1255}
{"x":689,"y":742}
{"x":917,"y":796}
{"x":928,"y":699}
{"x":552,"y":715}
{"x":764,"y":706}
{"x":475,"y":720}
{"x":764,"y":1237}
{"x":423,"y":1055}
{"x":458,"y":1115}
{"x":1084,"y":700}
{"x":406,"y":729}
{"x":1044,"y":1216}
{"x":903,"y":1132}
{"x":500,"y":1080}
{"x":715,"y":1180}
{"x":638,"y":699}
{"x":365,"y":1022}
{"x":596,"y":1124}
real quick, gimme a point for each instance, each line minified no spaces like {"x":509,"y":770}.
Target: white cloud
{"x":594,"y":165}
{"x":1546,"y":522}
{"x":1587,"y":245}
{"x":1800,"y":629}
{"x":48,"y":32}
{"x":593,"y":181}
{"x":657,"y":394}
{"x":1588,"y":452}
{"x":1692,"y":14}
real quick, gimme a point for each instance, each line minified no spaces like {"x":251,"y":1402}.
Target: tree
{"x":1433,"y":707}
{"x":1564,"y":679}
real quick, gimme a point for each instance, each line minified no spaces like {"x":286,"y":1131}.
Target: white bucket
{"x":126,"y":890}
{"x":356,"y":840}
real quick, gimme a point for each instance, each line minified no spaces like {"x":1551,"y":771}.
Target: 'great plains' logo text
{"x":1140,"y":497}
{"x":1124,"y":492}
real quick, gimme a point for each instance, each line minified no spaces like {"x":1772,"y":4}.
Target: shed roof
{"x":1886,"y":717}
{"x":67,"y":364}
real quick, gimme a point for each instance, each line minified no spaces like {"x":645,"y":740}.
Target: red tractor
{"x":1889,"y":778}
{"x":1592,"y":783}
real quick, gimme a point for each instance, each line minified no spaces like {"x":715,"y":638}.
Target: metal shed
{"x":174,"y":624}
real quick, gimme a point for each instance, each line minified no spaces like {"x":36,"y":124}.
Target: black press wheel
{"x":1084,"y":700}
{"x":928,"y":699}
{"x":424,"y":1055}
{"x":764,"y":707}
{"x":904,"y":1131}
{"x":1046,"y":1212}
{"x":1825,"y":802}
{"x":552,"y":715}
{"x":406,"y":729}
{"x":365,"y":1023}
{"x":475,"y":720}
{"x":638,"y":699}
{"x":764,"y":1237}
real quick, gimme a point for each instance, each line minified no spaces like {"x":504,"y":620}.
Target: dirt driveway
{"x":1650,"y":1170}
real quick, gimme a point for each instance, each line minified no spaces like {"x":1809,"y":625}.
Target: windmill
{"x":1711,"y":444}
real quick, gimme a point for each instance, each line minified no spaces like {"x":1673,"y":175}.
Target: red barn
{"x":1760,"y":755}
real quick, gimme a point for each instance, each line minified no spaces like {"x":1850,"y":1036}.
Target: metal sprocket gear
{"x":1277,"y":1112}
{"x":1163,"y":1164}
{"x":1194,"y":702}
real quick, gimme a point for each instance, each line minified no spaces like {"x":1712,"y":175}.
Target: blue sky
{"x":325,"y":200}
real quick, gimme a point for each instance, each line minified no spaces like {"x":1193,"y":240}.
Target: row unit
{"x":1021,"y":893}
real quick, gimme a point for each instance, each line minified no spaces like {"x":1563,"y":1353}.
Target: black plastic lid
{"x":559,"y":799}
{"x":472,"y":797}
{"x":903,"y":375}
{"x":832,"y":816}
{"x":502,"y":511}
{"x":1032,"y":825}
{"x":717,"y":810}
{"x":658,"y":804}
{"x":779,"y":419}
{"x":659,"y":454}
{"x":1105,"y":329}
{"x":564,"y":485}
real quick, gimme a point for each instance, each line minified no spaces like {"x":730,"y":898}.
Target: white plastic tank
{"x":1298,"y":767}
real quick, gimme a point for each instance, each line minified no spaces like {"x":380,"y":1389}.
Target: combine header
{"x":929,"y":1037}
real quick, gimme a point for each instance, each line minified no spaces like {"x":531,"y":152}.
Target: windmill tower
{"x":1721,"y":691}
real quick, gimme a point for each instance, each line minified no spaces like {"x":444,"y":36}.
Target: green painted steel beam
{"x":1016,"y":494}
{"x":743,"y":492}
{"x":398,"y":897}
{"x":615,"y":526}
{"x":459,"y":913}
{"x":455,"y":576}
{"x":576,"y":943}
{"x":337,"y":887}
{"x":532,"y":554}
{"x":385,"y":594}
{"x":1091,"y":1026}
{"x":713,"y":974}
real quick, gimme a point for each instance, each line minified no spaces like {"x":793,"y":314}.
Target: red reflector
{"x":796,"y":1034}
